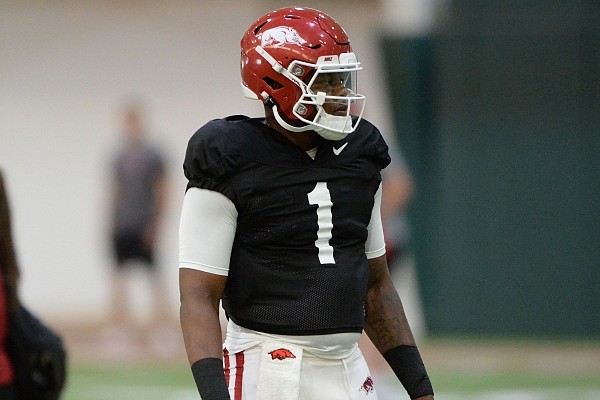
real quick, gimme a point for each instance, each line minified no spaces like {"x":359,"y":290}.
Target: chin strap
{"x":286,"y":125}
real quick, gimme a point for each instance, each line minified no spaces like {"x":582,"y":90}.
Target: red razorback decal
{"x":281,"y":354}
{"x":367,"y":385}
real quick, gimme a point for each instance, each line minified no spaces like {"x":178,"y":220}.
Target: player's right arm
{"x":200,"y":293}
{"x":206,"y":232}
{"x":199,"y":313}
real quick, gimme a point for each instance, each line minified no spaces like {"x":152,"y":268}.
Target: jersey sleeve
{"x":371,"y":144}
{"x":212,"y":158}
{"x":206,"y":231}
{"x":380,"y":150}
{"x":375,"y":244}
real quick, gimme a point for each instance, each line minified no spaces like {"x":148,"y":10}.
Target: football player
{"x":281,"y":222}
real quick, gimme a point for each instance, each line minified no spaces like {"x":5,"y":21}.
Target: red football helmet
{"x":284,"y":52}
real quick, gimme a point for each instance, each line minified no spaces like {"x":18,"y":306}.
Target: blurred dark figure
{"x":138,"y":201}
{"x":9,"y":275}
{"x":32,"y":356}
{"x":398,"y":191}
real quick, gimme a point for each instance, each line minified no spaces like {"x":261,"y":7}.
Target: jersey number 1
{"x":321,"y":197}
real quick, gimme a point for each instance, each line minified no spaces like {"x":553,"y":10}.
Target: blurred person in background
{"x":138,"y":197}
{"x":281,"y":221}
{"x":399,"y":190}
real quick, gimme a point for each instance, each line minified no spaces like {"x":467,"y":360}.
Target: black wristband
{"x":408,"y":366}
{"x":210,"y":379}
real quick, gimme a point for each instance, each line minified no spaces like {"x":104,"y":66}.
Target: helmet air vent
{"x":259,"y":27}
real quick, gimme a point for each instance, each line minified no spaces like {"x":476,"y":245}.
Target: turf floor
{"x":166,"y":382}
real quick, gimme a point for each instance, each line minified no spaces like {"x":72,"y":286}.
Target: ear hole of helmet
{"x":273,"y":84}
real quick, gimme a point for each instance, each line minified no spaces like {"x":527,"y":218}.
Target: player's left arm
{"x":388,"y":328}
{"x":386,"y":323}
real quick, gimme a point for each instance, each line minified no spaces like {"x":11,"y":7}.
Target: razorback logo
{"x":367,"y":385}
{"x":277,"y":37}
{"x":281,"y":354}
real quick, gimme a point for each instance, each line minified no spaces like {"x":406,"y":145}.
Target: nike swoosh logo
{"x":338,"y":151}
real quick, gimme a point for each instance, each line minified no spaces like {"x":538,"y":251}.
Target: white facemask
{"x":330,"y":127}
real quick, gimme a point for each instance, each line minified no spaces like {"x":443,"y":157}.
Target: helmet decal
{"x":279,"y":36}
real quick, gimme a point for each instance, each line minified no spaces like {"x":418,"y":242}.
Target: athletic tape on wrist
{"x":408,"y":366}
{"x":210,"y":379}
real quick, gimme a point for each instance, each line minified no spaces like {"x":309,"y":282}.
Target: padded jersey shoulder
{"x":365,"y":141}
{"x":218,"y":147}
{"x":220,"y":137}
{"x":223,"y":147}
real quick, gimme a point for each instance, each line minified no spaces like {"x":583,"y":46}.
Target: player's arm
{"x":387,"y":327}
{"x":386,"y":323}
{"x":199,"y":313}
{"x":206,"y":233}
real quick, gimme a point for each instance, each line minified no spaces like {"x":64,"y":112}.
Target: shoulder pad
{"x":216,"y":151}
{"x":368,"y":138}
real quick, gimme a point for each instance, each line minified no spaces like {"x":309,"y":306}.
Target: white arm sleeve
{"x":206,"y":231}
{"x":375,"y":245}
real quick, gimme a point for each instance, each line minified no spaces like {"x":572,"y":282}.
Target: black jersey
{"x":298,"y":263}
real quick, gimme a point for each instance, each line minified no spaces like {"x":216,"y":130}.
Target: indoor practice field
{"x":500,"y":369}
{"x":493,"y":107}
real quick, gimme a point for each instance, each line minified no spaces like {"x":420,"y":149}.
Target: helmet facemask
{"x":330,"y":85}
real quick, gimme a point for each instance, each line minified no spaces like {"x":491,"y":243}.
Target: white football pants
{"x":282,"y":371}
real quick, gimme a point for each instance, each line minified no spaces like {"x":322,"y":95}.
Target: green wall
{"x":498,"y":115}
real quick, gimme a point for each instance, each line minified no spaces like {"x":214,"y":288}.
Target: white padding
{"x":375,"y":246}
{"x":206,"y":231}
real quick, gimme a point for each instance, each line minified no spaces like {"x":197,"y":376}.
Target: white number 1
{"x":321,"y":197}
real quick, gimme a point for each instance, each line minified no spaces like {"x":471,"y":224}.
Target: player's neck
{"x":304,"y":140}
